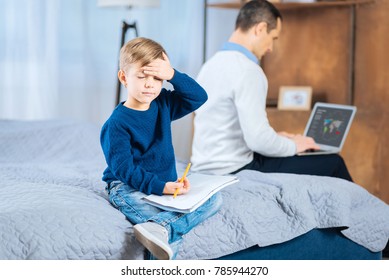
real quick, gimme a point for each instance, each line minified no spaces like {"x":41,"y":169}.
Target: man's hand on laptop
{"x":304,"y":143}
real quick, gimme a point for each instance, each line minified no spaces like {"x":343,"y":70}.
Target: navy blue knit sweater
{"x":137,"y":145}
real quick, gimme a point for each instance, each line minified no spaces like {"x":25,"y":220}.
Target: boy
{"x":137,"y":144}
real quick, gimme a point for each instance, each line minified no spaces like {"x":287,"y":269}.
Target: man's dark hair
{"x":256,"y":11}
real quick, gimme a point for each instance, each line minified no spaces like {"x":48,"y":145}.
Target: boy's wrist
{"x":158,"y":187}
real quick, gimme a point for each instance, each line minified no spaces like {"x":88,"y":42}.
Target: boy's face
{"x":142,"y":89}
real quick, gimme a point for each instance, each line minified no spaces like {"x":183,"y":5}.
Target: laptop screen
{"x":329,"y":125}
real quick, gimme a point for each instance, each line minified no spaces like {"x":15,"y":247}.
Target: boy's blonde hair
{"x":140,"y":50}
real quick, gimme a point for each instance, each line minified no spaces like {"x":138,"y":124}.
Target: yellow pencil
{"x":182,"y":179}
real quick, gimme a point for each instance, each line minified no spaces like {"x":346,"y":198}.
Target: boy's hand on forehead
{"x":159,"y":68}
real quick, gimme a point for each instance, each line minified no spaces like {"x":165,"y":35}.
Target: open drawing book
{"x":202,"y":187}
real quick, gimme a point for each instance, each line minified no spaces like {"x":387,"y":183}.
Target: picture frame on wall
{"x":295,"y":98}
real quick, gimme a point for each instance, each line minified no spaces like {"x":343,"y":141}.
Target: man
{"x":231,"y":130}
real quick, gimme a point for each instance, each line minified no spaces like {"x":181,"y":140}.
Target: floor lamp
{"x":126,"y":26}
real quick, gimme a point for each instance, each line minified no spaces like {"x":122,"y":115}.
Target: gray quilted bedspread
{"x":53,"y":204}
{"x":272,"y":208}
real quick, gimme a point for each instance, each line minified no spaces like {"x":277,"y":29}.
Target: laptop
{"x":329,"y":125}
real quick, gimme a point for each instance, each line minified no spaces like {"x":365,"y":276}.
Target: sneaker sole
{"x":157,"y":248}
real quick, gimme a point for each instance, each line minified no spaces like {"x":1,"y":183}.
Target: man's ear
{"x":261,"y":27}
{"x":122,"y":77}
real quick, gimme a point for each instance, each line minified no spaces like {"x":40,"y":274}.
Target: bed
{"x":53,"y":206}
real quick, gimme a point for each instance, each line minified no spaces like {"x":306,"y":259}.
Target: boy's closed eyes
{"x":141,"y":76}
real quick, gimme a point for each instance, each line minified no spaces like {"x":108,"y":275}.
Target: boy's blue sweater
{"x":138,"y":144}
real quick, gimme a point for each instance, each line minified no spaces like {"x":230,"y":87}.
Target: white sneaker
{"x":155,"y":238}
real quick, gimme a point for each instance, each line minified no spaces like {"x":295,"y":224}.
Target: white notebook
{"x":202,"y":187}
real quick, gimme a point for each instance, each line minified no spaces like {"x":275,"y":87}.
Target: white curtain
{"x":29,"y":60}
{"x":58,"y":58}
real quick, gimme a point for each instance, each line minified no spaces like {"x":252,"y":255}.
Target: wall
{"x":372,"y":97}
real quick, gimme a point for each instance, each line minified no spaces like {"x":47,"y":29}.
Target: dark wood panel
{"x":383,"y":162}
{"x":366,"y":152}
{"x":372,"y":95}
{"x":289,"y":121}
{"x":372,"y":58}
{"x":313,"y":49}
{"x":362,"y":152}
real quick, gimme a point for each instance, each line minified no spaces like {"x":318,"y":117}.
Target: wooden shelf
{"x":297,"y":5}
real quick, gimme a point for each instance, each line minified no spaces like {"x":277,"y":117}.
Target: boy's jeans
{"x":129,"y":201}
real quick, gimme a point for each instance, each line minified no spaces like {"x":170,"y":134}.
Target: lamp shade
{"x":128,"y":3}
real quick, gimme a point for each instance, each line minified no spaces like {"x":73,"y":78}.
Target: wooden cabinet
{"x":338,"y":48}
